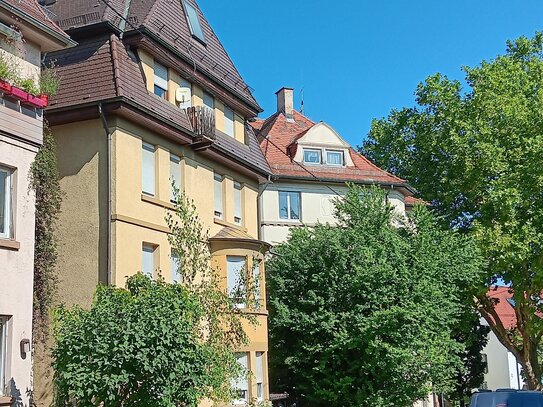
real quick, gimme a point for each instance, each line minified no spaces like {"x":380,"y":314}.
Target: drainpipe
{"x":109,"y":205}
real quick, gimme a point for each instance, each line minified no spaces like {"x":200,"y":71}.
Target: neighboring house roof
{"x":33,"y":13}
{"x":501,"y":297}
{"x":278,"y":136}
{"x":166,"y":20}
{"x":412,"y":201}
{"x":101,"y":70}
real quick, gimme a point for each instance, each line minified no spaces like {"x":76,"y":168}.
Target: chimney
{"x":285,"y":102}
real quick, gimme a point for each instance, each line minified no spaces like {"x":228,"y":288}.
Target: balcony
{"x":202,"y":120}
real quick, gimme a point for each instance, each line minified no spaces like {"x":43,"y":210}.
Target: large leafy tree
{"x":476,"y":154}
{"x":153,"y":343}
{"x":362,"y":313}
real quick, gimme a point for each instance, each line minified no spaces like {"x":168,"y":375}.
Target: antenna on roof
{"x":302,"y":98}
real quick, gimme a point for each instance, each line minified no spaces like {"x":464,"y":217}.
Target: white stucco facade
{"x":503,"y":370}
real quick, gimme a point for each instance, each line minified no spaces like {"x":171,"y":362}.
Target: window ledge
{"x":156,"y":201}
{"x":232,"y":225}
{"x":10,"y":245}
{"x":6,"y":401}
{"x":254,"y":312}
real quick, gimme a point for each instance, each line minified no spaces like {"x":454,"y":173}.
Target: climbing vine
{"x":44,"y":180}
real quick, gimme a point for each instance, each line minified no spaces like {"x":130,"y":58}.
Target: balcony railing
{"x":202,"y":120}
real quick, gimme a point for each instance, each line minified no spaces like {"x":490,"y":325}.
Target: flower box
{"x":5,"y":86}
{"x":36,"y":101}
{"x":45,"y":100}
{"x":19,"y":93}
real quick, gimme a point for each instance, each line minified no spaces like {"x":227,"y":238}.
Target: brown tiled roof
{"x":277,"y":137}
{"x":101,"y":69}
{"x":231,"y":233}
{"x":166,"y":19}
{"x":500,"y":295}
{"x":412,"y":201}
{"x":35,"y":11}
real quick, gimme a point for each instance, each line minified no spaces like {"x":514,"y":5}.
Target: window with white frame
{"x":6,"y":191}
{"x":3,"y":352}
{"x":148,"y":259}
{"x":289,"y":205}
{"x":312,"y":156}
{"x":235,"y":272}
{"x":185,"y":93}
{"x":194,"y":22}
{"x":175,"y":175}
{"x":241,"y":384}
{"x":228,"y":121}
{"x":175,"y":268}
{"x":148,"y":169}
{"x":218,"y":192}
{"x":259,"y":375}
{"x":238,"y":218}
{"x":334,"y":157}
{"x":257,"y":281}
{"x":161,"y":80}
{"x":209,"y":101}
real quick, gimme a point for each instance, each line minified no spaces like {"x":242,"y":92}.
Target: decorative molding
{"x":157,"y":202}
{"x":10,"y":245}
{"x":136,"y":222}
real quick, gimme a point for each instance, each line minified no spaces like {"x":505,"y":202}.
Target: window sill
{"x":6,"y":401}
{"x":10,"y":245}
{"x":157,"y":202}
{"x":232,"y":225}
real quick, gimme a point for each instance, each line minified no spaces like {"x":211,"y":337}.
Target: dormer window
{"x":161,"y":81}
{"x":194,"y":22}
{"x":334,"y":158}
{"x":312,"y":156}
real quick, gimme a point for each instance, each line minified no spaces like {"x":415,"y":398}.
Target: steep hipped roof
{"x":31,"y":12}
{"x":166,"y":20}
{"x":101,"y":69}
{"x":278,"y":136}
{"x":500,"y":295}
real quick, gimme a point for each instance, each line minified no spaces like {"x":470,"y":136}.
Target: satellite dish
{"x":182,"y":95}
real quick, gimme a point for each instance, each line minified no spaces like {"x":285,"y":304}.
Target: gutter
{"x":60,"y":37}
{"x":109,"y":194}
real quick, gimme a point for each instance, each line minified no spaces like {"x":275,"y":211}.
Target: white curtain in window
{"x":237,"y":202}
{"x":161,"y":76}
{"x":259,"y":375}
{"x":235,"y":266}
{"x":257,"y":278}
{"x":175,"y":174}
{"x":148,"y":169}
{"x":5,"y":202}
{"x":242,"y":384}
{"x":218,"y":196}
{"x":228,"y":121}
{"x":148,"y":260}
{"x":175,"y":265}
{"x":334,"y":157}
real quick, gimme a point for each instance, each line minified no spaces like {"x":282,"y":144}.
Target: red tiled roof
{"x":504,"y":309}
{"x":411,"y":201}
{"x":34,"y":10}
{"x":277,"y":136}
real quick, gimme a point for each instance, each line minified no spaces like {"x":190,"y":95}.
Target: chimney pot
{"x":285,"y":102}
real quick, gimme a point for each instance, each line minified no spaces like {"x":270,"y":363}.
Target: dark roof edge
{"x":103,"y":27}
{"x":242,"y":240}
{"x":61,"y":38}
{"x":150,"y":34}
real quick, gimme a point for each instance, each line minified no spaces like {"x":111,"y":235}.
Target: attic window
{"x":194,"y":22}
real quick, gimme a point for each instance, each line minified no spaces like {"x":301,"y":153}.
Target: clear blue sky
{"x":358,"y":59}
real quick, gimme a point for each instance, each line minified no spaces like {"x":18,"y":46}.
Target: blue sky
{"x":358,"y":59}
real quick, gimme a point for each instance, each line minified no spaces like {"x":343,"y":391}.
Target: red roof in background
{"x":34,"y":10}
{"x":505,"y":310}
{"x":411,"y":201}
{"x":277,"y":135}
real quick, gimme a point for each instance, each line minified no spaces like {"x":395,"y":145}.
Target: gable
{"x":321,"y":134}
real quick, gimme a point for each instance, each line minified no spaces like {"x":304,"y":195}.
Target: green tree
{"x":361,"y":314}
{"x":153,"y":343}
{"x":476,"y":155}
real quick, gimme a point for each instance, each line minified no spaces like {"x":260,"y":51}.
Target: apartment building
{"x":149,"y":96}
{"x":311,"y":165}
{"x":25,"y":34}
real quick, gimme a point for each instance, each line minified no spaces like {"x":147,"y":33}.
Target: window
{"x":334,"y":157}
{"x":5,"y":202}
{"x":175,"y":175}
{"x":161,"y":80}
{"x":259,"y":374}
{"x":235,"y":267}
{"x":185,"y":94}
{"x":257,"y":278}
{"x":209,"y":101}
{"x":148,"y":260}
{"x":175,"y":268}
{"x":289,"y":205}
{"x":312,"y":156}
{"x":228,"y":121}
{"x":148,"y":169}
{"x":218,"y":196}
{"x":194,"y":22}
{"x":484,"y":359}
{"x":241,"y":385}
{"x":3,"y":352}
{"x":237,"y":203}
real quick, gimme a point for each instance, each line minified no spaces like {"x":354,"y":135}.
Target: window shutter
{"x":218,"y":196}
{"x":228,"y":121}
{"x":161,"y":76}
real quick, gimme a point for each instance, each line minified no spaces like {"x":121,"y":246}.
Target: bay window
{"x":241,"y":385}
{"x":235,"y":275}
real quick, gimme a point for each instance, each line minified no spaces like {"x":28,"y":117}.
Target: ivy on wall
{"x":44,"y":180}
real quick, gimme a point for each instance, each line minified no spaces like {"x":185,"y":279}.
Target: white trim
{"x":6,"y":234}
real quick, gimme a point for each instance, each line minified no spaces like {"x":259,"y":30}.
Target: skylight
{"x":194,"y":22}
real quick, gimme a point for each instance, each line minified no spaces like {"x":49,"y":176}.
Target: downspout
{"x":109,"y":202}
